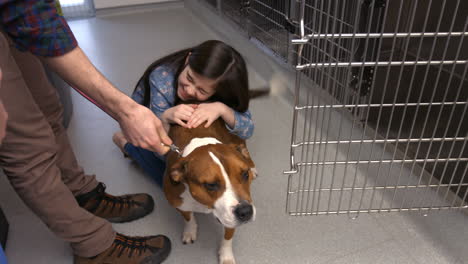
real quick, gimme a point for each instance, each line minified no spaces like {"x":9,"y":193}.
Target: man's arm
{"x":140,"y":126}
{"x":36,"y":27}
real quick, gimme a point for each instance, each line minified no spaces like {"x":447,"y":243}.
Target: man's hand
{"x":143,"y":129}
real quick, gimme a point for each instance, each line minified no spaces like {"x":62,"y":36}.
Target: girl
{"x":188,"y":88}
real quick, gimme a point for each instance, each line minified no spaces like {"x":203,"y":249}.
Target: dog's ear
{"x":242,"y":149}
{"x":178,"y":170}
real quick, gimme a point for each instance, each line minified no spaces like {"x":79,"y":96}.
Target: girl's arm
{"x":238,"y":123}
{"x":243,"y":125}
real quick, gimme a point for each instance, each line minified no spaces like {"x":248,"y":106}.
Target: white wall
{"x":117,"y":3}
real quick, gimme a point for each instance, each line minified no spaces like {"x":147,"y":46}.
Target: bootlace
{"x":114,"y":201}
{"x":129,"y":245}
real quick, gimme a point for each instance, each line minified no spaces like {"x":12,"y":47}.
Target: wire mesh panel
{"x":380,"y":122}
{"x":265,"y":22}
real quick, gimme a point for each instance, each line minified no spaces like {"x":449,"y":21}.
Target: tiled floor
{"x":121,"y":47}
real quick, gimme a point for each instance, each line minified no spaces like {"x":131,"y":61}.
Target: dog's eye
{"x":211,"y":186}
{"x":245,"y":175}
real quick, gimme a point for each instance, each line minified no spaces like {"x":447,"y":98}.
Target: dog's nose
{"x":244,"y":211}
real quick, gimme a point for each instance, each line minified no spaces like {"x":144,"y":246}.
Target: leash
{"x":92,"y":101}
{"x":172,"y":147}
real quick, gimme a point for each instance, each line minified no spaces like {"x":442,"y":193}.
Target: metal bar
{"x":460,"y":45}
{"x":394,"y":140}
{"x":353,"y":43}
{"x":302,"y":172}
{"x":454,"y":172}
{"x":383,"y":161}
{"x":426,"y":119}
{"x":318,"y":75}
{"x":324,"y":13}
{"x":379,"y":188}
{"x":269,"y":8}
{"x":419,"y":99}
{"x":317,"y":51}
{"x":462,"y":202}
{"x":307,"y":38}
{"x":379,"y":63}
{"x":365,"y":52}
{"x":379,"y":210}
{"x":343,"y":48}
{"x":394,"y":41}
{"x":267,"y":18}
{"x":400,"y":129}
{"x":379,"y":105}
{"x":327,"y":84}
{"x":293,"y":168}
{"x":341,"y":123}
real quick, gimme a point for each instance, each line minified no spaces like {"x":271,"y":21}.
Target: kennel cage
{"x":381,"y":92}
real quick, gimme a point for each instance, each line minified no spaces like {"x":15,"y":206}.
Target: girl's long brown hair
{"x":211,"y":59}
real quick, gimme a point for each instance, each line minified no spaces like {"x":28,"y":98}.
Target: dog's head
{"x":219,"y":177}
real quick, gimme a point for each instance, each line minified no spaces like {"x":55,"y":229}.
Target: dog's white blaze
{"x":198,"y":142}
{"x":223,"y":207}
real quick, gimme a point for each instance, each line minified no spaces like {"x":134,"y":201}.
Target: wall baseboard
{"x":99,"y":4}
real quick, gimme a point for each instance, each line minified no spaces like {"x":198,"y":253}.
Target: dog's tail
{"x":258,"y":93}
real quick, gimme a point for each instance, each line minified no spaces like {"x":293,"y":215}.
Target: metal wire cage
{"x":380,"y":120}
{"x":381,"y":92}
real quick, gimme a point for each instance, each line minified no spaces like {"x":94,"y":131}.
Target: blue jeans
{"x":148,"y":161}
{"x":2,"y":256}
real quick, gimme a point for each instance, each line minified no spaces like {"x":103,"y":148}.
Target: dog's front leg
{"x":225,"y":252}
{"x":190,"y":229}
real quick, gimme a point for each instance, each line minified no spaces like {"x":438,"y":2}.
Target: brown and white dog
{"x":212,"y":176}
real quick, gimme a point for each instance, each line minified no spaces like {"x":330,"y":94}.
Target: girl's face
{"x":192,"y":86}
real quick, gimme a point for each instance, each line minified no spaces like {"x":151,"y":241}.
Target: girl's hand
{"x":179,"y":114}
{"x":208,"y":113}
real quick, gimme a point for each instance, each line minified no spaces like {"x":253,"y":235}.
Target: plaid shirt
{"x":35,"y":26}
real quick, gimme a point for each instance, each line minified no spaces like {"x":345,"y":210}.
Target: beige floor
{"x":121,"y":47}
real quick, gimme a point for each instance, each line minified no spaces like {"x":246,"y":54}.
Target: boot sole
{"x":161,"y":257}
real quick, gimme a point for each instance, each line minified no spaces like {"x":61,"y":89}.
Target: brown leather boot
{"x":116,"y":209}
{"x":132,"y":250}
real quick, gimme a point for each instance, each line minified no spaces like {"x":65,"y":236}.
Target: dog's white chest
{"x":191,"y":205}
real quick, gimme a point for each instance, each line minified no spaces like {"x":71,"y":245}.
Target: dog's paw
{"x":189,"y":237}
{"x":190,"y":232}
{"x":227,"y":261}
{"x":226,"y":255}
